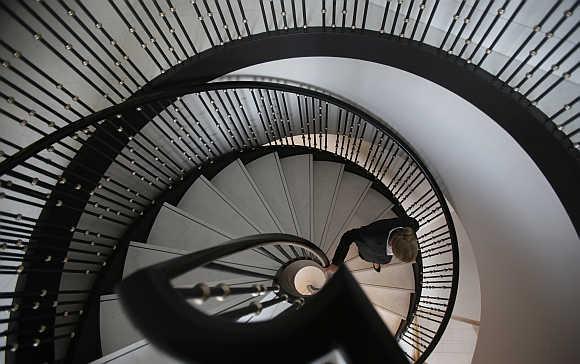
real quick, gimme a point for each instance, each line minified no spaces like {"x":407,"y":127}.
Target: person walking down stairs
{"x":378,"y":242}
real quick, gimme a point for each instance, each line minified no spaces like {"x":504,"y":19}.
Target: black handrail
{"x":325,"y":323}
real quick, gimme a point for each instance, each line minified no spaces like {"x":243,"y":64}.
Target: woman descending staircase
{"x":297,"y":194}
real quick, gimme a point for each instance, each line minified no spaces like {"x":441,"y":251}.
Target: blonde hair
{"x":404,"y":244}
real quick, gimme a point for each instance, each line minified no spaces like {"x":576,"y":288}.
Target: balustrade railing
{"x":104,"y":53}
{"x":77,"y":213}
{"x":84,"y":159}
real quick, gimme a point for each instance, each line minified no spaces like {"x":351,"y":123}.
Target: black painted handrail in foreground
{"x":338,"y":317}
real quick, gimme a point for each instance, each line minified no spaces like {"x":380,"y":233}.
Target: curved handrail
{"x":175,"y":326}
{"x":183,"y":264}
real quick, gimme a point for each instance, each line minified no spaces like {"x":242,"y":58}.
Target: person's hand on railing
{"x":330,"y":270}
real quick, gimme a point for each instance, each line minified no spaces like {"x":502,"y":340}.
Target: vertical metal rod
{"x":550,"y":88}
{"x":211,"y":17}
{"x":223,"y":20}
{"x":323,"y":12}
{"x":565,"y":108}
{"x":385,"y":14}
{"x":469,"y":39}
{"x":354,"y":15}
{"x":287,"y":115}
{"x":201,"y":19}
{"x":536,"y":29}
{"x":453,"y":21}
{"x":294,"y":14}
{"x":433,"y":10}
{"x":343,"y":13}
{"x":135,"y":34}
{"x":554,"y":67}
{"x":534,"y":52}
{"x":261,"y":117}
{"x":337,"y":131}
{"x":284,"y":14}
{"x":501,"y":32}
{"x":397,"y":10}
{"x":364,"y":19}
{"x":148,"y":32}
{"x":180,"y":23}
{"x":244,"y":19}
{"x":498,"y":15}
{"x":418,"y":20}
{"x":372,"y":146}
{"x":115,"y":44}
{"x":407,"y":18}
{"x":274,"y":20}
{"x":161,"y":32}
{"x":233,"y":17}
{"x":304,"y":14}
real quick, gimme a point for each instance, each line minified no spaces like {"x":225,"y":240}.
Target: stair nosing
{"x":236,"y":209}
{"x":109,"y":297}
{"x":122,"y":352}
{"x":330,"y":213}
{"x":386,"y":266}
{"x":352,"y":213}
{"x":402,"y":317}
{"x":287,"y":194}
{"x":260,"y":195}
{"x":197,"y":220}
{"x":158,"y":248}
{"x":389,"y":288}
{"x":398,"y":315}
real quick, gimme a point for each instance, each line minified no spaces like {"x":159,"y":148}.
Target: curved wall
{"x":525,"y":245}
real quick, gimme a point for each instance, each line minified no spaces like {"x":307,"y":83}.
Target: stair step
{"x":391,"y":320}
{"x":205,"y":202}
{"x":351,"y":193}
{"x":298,"y":173}
{"x":237,"y":185}
{"x":141,"y":352}
{"x":327,"y":176}
{"x":400,"y":275}
{"x":351,"y":254}
{"x":373,"y":207}
{"x":144,"y":255}
{"x":269,"y":177}
{"x":395,"y":301}
{"x":116,"y":330}
{"x":175,"y":228}
{"x":357,"y":264}
{"x":388,"y":214}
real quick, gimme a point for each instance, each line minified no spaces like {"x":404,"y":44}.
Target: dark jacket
{"x":371,"y":240}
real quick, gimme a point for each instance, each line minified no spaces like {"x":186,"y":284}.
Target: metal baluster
{"x":418,"y":20}
{"x":202,"y":20}
{"x":469,"y":39}
{"x":431,"y":14}
{"x":407,"y":18}
{"x":501,"y":32}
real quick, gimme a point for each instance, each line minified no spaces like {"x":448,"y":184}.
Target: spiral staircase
{"x":152,"y":209}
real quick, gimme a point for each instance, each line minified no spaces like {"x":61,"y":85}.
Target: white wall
{"x":526,"y":248}
{"x":468,"y":301}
